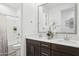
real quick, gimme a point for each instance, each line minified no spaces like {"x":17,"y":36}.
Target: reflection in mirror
{"x":61,"y":17}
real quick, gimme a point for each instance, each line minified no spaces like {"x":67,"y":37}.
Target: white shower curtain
{"x":3,"y":36}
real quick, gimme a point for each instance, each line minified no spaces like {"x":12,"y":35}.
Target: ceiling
{"x":14,"y":6}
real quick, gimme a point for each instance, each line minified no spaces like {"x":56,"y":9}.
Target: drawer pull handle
{"x":44,"y":54}
{"x":44,"y":45}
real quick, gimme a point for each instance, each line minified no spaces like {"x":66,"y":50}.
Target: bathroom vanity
{"x":35,"y":47}
{"x":59,"y":18}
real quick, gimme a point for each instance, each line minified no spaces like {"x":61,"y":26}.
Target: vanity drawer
{"x":45,"y":44}
{"x":45,"y":52}
{"x":67,"y":49}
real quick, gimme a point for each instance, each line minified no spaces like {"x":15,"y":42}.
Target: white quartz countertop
{"x":72,"y":43}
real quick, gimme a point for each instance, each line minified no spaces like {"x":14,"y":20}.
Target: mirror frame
{"x":75,"y":32}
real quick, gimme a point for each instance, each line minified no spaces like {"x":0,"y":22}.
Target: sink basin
{"x":72,"y":43}
{"x":69,"y":41}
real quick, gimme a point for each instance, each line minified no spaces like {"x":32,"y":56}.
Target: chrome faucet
{"x":66,"y":37}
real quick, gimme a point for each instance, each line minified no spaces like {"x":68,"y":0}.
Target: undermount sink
{"x":62,"y":41}
{"x":69,"y":41}
{"x":72,"y":43}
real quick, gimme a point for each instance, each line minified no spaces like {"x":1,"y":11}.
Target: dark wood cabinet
{"x":39,"y":48}
{"x":33,"y":48}
{"x":66,"y":50}
{"x":30,"y":49}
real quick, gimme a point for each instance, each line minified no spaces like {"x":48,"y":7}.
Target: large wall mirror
{"x":61,"y":17}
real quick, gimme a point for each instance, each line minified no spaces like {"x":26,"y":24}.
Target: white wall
{"x":29,"y":16}
{"x":29,"y":22}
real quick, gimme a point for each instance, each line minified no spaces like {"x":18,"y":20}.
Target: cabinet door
{"x":33,"y":48}
{"x":58,"y":53}
{"x":36,"y":51}
{"x":30,"y":50}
